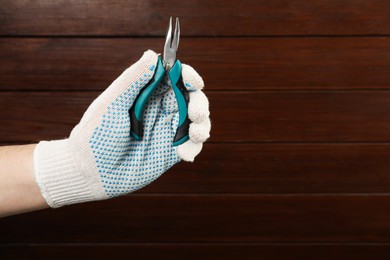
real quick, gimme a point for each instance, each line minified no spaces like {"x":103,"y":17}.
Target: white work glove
{"x":101,"y":160}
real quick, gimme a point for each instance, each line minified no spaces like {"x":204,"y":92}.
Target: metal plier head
{"x":171,"y":44}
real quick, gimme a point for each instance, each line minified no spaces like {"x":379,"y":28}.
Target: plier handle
{"x":170,"y":67}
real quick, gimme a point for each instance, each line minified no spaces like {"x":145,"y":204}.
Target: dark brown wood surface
{"x":198,"y":218}
{"x":281,"y":168}
{"x":224,"y":63}
{"x":200,"y":17}
{"x":200,"y":251}
{"x":298,"y":163}
{"x":208,"y":218}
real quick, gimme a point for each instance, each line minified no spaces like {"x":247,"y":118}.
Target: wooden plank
{"x":236,"y":116}
{"x":225,"y":64}
{"x":208,"y":218}
{"x":281,"y":168}
{"x":217,"y":18}
{"x":197,"y":251}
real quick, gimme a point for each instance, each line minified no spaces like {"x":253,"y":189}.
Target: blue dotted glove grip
{"x":124,"y":164}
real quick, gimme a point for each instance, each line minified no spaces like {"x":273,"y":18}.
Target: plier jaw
{"x":171,"y":44}
{"x":168,"y":65}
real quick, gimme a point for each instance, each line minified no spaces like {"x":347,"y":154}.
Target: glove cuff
{"x":56,"y":173}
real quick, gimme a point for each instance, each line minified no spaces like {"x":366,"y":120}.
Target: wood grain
{"x":198,"y":17}
{"x":281,"y":168}
{"x":208,"y":218}
{"x":224,"y":63}
{"x":197,"y":251}
{"x":238,"y":117}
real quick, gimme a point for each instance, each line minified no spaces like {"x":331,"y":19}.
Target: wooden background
{"x":298,"y":164}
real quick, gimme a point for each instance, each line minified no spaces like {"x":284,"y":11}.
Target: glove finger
{"x":200,"y":132}
{"x":192,"y":80}
{"x":189,"y":150}
{"x":128,"y":85}
{"x":117,"y":99}
{"x":198,"y":107}
{"x":125,"y":89}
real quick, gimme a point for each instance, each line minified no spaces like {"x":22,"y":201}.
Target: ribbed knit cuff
{"x":57,"y":175}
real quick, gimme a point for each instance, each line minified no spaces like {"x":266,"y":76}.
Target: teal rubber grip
{"x":138,"y":108}
{"x":182,"y":98}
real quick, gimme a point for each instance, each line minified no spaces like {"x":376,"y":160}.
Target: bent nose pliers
{"x":172,"y":68}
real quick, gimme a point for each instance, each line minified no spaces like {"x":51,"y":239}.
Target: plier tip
{"x":172,"y":40}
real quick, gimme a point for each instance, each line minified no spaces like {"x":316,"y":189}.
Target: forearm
{"x":18,"y":189}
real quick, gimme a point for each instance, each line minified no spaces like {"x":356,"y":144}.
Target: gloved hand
{"x":100,"y":159}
